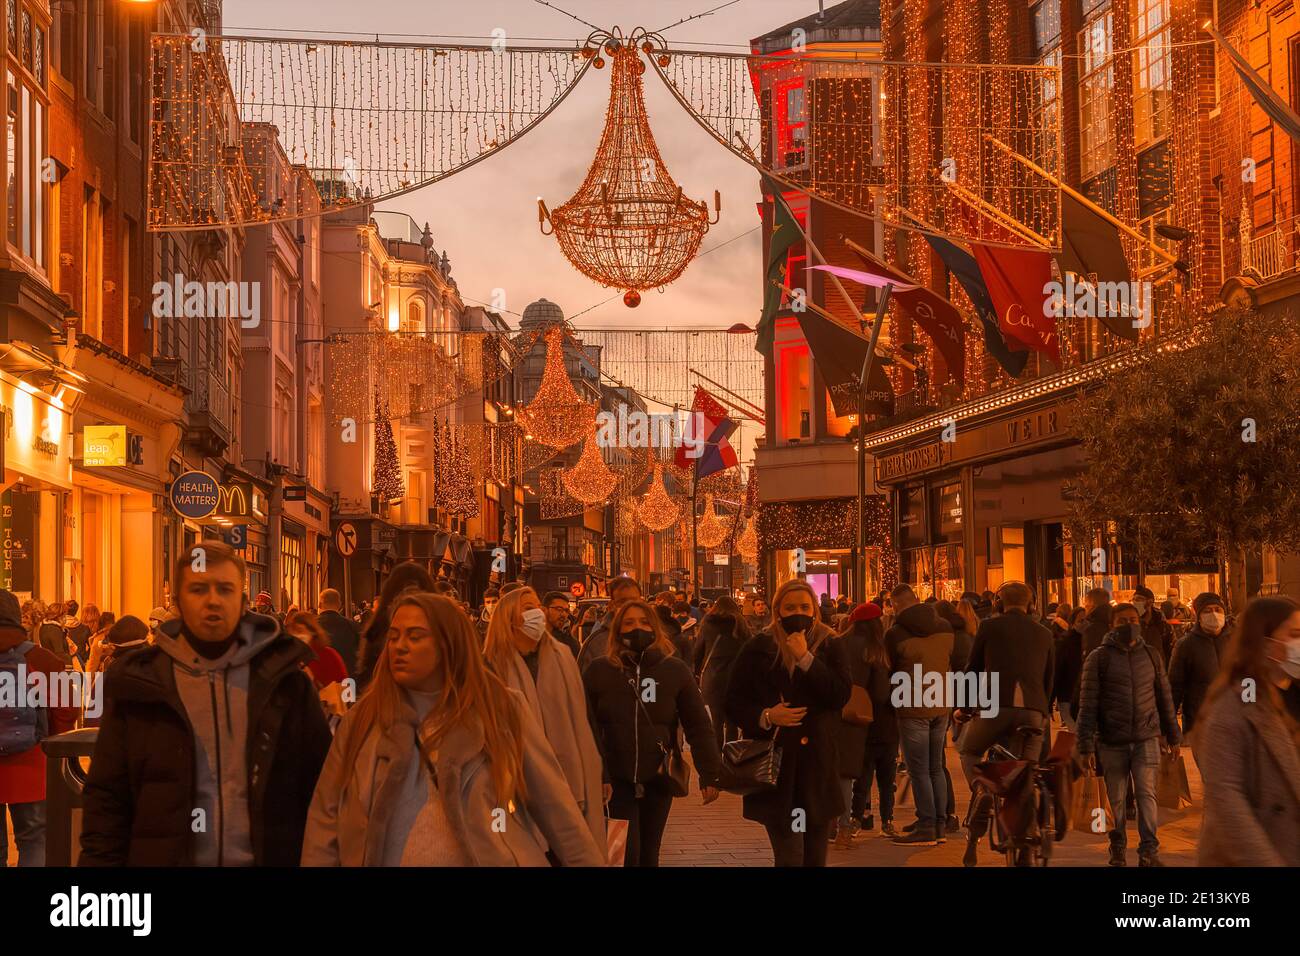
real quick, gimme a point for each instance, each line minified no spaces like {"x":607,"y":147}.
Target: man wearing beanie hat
{"x":1156,"y":631}
{"x":22,"y":764}
{"x":1195,"y":661}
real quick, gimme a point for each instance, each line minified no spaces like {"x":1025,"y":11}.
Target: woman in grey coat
{"x":1248,"y":745}
{"x":441,"y":764}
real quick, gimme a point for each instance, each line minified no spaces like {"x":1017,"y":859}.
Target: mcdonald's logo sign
{"x":233,"y":499}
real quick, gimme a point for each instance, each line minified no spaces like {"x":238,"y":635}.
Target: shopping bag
{"x":1090,"y":810}
{"x":615,"y":841}
{"x":1173,"y":792}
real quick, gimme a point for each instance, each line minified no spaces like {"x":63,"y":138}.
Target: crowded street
{"x":748,"y":435}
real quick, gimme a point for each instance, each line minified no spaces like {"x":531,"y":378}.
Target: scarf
{"x":559,"y":702}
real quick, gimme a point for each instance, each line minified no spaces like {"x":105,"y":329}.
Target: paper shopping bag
{"x":615,"y":841}
{"x":1090,"y":810}
{"x":1173,"y":792}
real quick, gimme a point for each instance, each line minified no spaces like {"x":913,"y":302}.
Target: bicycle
{"x":1026,"y":817}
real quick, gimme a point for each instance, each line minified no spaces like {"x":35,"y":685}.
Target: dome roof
{"x":540,"y":313}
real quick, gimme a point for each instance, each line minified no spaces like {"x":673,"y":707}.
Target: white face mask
{"x":1290,"y":660}
{"x":534,"y":623}
{"x":1212,"y":621}
{"x":1141,"y":606}
{"x":487,"y":611}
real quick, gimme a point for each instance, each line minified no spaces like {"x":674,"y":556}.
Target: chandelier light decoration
{"x":747,"y":543}
{"x":657,"y":510}
{"x":711,"y":530}
{"x":590,"y":480}
{"x":628,"y":226}
{"x":557,"y":416}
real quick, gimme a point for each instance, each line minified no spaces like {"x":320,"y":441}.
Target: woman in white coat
{"x":521,"y":652}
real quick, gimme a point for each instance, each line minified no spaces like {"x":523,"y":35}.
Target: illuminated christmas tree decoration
{"x":590,"y":480}
{"x":557,"y":416}
{"x":657,"y":510}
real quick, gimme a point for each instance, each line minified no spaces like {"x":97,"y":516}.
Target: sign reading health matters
{"x":195,"y":494}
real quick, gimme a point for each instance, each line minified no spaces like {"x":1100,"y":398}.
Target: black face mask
{"x":796,"y":622}
{"x":638,"y":640}
{"x":587,"y":626}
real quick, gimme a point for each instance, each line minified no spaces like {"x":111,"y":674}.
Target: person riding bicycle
{"x":1014,"y":654}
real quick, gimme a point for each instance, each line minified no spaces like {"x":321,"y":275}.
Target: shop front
{"x":124,"y":434}
{"x":990,"y":506}
{"x":37,"y":467}
{"x":304,"y":543}
{"x":233,"y":509}
{"x":814,"y":541}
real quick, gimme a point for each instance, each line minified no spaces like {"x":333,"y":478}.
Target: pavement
{"x":717,"y":835}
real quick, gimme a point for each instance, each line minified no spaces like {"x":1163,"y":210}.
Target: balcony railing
{"x":208,"y":403}
{"x":1271,"y":254}
{"x":553,"y":553}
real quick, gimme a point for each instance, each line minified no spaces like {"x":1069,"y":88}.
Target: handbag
{"x":750,"y":766}
{"x":673,"y":768}
{"x":859,"y":710}
{"x":1173,"y":792}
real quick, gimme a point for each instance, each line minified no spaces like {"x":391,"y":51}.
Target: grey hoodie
{"x":215,"y":696}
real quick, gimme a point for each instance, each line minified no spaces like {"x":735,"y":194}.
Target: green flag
{"x":785,"y":233}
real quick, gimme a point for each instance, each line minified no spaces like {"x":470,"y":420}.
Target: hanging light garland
{"x":711,"y":530}
{"x":557,"y":416}
{"x":747,"y":543}
{"x":628,"y":226}
{"x":590,"y":480}
{"x":554,"y":501}
{"x":656,"y":510}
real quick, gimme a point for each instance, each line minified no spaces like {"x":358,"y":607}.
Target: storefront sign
{"x":295,"y":492}
{"x":195,"y":494}
{"x":235,"y":499}
{"x":913,"y":461}
{"x":103,"y":446}
{"x":1032,"y":428}
{"x":17,"y":530}
{"x":236,"y":536}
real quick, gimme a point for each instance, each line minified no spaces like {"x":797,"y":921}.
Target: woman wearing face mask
{"x":639,"y":693}
{"x":792,"y":681}
{"x":441,"y":764}
{"x":519,"y":650}
{"x":1249,"y":744}
{"x":723,"y":633}
{"x":1197,"y":658}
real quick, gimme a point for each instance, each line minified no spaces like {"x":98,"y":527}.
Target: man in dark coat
{"x":1196,"y":659}
{"x":1017,"y":652}
{"x":1156,"y":631}
{"x":1096,"y":625}
{"x":1125,"y":708}
{"x":920,"y":648}
{"x":621,"y":590}
{"x":212,"y":739}
{"x":345,"y":637}
{"x":556,"y":606}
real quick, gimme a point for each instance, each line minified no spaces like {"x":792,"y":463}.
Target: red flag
{"x":707,"y":448}
{"x":936,"y":316}
{"x":1017,"y":280}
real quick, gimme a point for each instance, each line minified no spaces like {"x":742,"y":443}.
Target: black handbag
{"x":673,"y":768}
{"x":750,"y":766}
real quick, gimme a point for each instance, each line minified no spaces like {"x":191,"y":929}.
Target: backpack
{"x":21,"y":727}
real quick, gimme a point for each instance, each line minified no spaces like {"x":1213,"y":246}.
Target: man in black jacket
{"x":556,"y":606}
{"x":1013,"y":656}
{"x":212,"y":739}
{"x":1196,"y":659}
{"x":1125,"y":708}
{"x":344,"y":635}
{"x":1156,"y":631}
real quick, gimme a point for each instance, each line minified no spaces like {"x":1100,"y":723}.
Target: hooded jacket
{"x":241,"y":738}
{"x":1124,"y":696}
{"x":919,"y":636}
{"x":1193,"y":668}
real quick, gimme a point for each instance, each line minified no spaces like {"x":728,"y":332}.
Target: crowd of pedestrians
{"x":418,"y":730}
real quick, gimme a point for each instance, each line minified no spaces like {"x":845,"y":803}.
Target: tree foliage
{"x":1197,"y":447}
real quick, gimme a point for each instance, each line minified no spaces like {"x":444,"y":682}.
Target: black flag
{"x":839,"y":354}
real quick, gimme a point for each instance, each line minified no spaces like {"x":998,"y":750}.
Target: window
{"x":1096,"y":83}
{"x":26,"y":176}
{"x":92,"y":257}
{"x":1047,"y":51}
{"x":791,"y":124}
{"x":1152,"y":95}
{"x":414,"y":317}
{"x":63,"y":38}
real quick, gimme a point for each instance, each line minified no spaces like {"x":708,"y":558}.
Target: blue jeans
{"x":922,"y":739}
{"x":29,"y":833}
{"x":1141,"y":761}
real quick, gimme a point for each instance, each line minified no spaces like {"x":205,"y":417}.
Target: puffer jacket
{"x":1124,"y":696}
{"x":919,"y":637}
{"x":1193,"y":668}
{"x":630,"y":727}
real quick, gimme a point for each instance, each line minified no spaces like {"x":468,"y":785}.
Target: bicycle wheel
{"x":1046,"y":824}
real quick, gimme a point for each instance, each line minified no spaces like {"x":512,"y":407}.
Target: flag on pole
{"x":785,"y":234}
{"x":967,"y":272}
{"x":706,"y":447}
{"x":866,"y":278}
{"x":1017,"y":280}
{"x":1090,"y":245}
{"x":1266,"y":98}
{"x":839,"y":353}
{"x":936,"y":316}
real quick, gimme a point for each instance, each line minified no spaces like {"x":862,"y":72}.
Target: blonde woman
{"x":792,"y":682}
{"x":519,"y":650}
{"x":441,"y":764}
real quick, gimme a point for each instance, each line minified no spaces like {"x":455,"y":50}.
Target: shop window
{"x":790,"y":147}
{"x":291,"y":552}
{"x":793,"y":369}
